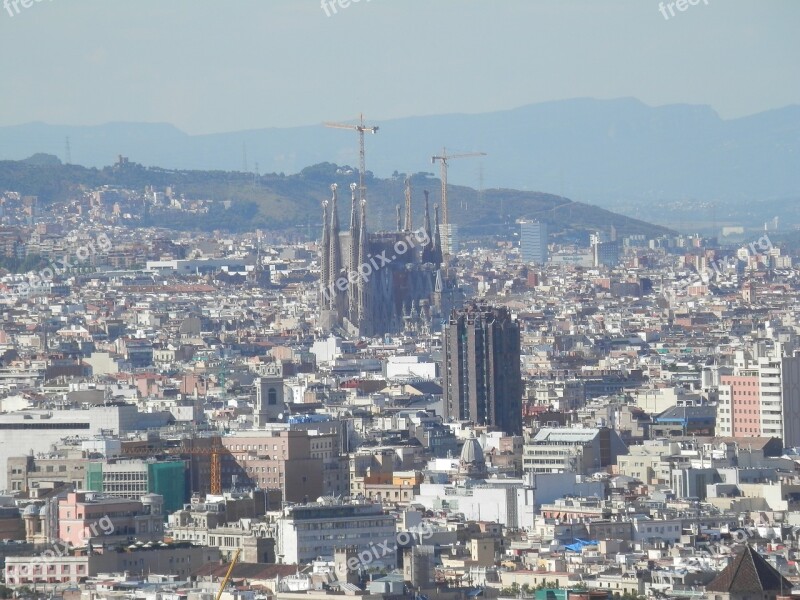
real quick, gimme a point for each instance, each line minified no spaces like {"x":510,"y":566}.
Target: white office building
{"x":448,"y":233}
{"x":308,"y":532}
{"x":533,"y":242}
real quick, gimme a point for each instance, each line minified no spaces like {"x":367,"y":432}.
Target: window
{"x":272,"y":396}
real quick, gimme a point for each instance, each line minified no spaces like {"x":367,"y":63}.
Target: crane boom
{"x":443,"y":158}
{"x":228,"y":574}
{"x":360,"y":129}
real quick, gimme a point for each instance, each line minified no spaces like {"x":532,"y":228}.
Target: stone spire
{"x":325,"y":248}
{"x":427,"y":249}
{"x":436,"y":241}
{"x":364,"y":307}
{"x":335,"y":260}
{"x":352,"y":263}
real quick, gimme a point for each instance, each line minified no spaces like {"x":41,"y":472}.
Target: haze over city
{"x":208,"y":67}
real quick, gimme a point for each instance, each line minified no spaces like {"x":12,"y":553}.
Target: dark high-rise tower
{"x":481,"y":368}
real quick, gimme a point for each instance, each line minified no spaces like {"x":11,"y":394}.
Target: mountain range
{"x":613,"y":153}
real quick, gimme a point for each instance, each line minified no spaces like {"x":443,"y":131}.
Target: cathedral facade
{"x":372,"y":284}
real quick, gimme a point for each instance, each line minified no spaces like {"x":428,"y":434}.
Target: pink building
{"x":90,"y":516}
{"x":745,"y":404}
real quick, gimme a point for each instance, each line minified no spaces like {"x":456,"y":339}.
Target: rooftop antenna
{"x":67,"y":152}
{"x":244,"y":158}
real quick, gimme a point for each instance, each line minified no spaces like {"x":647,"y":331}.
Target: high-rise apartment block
{"x":481,"y":368}
{"x":761,"y":398}
{"x":533,"y":242}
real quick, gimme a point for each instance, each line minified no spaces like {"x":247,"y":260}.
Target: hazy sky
{"x":239,"y":64}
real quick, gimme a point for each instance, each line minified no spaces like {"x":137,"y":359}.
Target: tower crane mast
{"x":360,"y":128}
{"x":444,"y":159}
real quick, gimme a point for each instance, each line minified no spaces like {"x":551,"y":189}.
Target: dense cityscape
{"x":453,"y":419}
{"x":400,"y":300}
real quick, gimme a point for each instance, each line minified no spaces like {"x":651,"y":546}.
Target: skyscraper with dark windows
{"x":481,"y":368}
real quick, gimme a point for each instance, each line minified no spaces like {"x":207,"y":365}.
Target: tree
{"x":512,"y":591}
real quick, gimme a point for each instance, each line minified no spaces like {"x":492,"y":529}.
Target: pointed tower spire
{"x":436,"y":241}
{"x":408,"y":224}
{"x":427,"y":249}
{"x":352,"y":265}
{"x":325,"y":248}
{"x":336,"y":295}
{"x":427,"y":223}
{"x":364,"y":308}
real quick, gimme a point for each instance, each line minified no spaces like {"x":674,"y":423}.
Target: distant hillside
{"x":609,"y":152}
{"x":275,"y":201}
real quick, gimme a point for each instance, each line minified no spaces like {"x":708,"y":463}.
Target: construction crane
{"x":214,"y":450}
{"x":444,"y":158}
{"x":360,"y":128}
{"x":228,"y":574}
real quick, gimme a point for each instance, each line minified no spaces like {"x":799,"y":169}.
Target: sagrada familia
{"x":384,"y":282}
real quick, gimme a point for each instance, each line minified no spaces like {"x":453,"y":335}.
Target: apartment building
{"x":572,"y":449}
{"x":178,"y":559}
{"x":762,"y":396}
{"x":291,"y":461}
{"x":85,"y":517}
{"x":308,"y":531}
{"x":132,"y":479}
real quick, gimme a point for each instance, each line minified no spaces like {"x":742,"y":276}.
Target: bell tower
{"x":269,"y":397}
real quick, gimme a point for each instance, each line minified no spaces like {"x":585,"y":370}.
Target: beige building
{"x":648,"y":462}
{"x":27,"y":472}
{"x":179,"y":559}
{"x":286,"y":460}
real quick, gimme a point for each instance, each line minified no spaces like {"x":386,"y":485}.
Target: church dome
{"x":471,"y":452}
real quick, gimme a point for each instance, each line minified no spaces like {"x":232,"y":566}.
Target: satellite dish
{"x":280,"y":415}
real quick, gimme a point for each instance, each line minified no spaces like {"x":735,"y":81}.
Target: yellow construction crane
{"x":360,"y":128}
{"x":228,"y":574}
{"x":215,"y":451}
{"x":443,"y":158}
